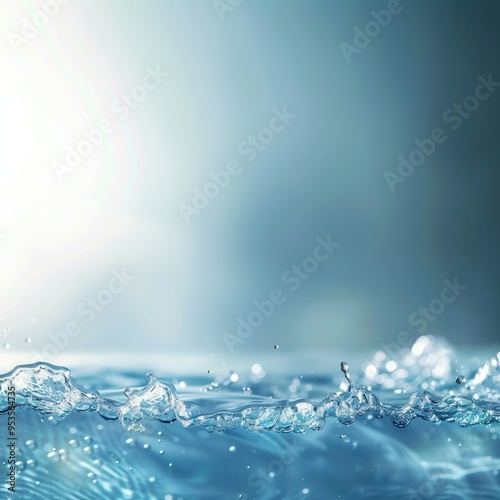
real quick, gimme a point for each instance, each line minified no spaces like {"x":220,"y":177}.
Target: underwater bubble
{"x":53,"y":455}
{"x":31,"y":444}
{"x":232,"y":449}
{"x":461,"y":379}
{"x":27,"y":340}
{"x":276,"y":346}
{"x":6,"y":346}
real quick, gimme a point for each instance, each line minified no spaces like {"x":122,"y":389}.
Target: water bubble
{"x":6,"y":346}
{"x":461,"y":379}
{"x":152,"y":479}
{"x":130,"y":442}
{"x":232,"y":449}
{"x":31,"y":444}
{"x":53,"y":455}
{"x":209,"y":371}
{"x":30,"y":463}
{"x":27,"y":340}
{"x":276,"y":346}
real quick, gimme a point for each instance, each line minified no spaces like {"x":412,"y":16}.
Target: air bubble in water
{"x":31,"y":444}
{"x":276,"y":346}
{"x":6,"y":346}
{"x":27,"y":340}
{"x":461,"y":379}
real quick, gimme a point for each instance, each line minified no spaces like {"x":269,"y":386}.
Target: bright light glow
{"x":420,"y":345}
{"x":391,"y":366}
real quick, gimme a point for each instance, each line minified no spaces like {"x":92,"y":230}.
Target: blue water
{"x":422,"y":425}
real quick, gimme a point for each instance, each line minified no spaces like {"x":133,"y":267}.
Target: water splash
{"x":50,"y":390}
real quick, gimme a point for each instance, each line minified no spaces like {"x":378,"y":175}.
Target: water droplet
{"x":461,"y":379}
{"x":276,"y":346}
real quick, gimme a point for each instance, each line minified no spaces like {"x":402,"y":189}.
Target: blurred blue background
{"x":120,"y":210}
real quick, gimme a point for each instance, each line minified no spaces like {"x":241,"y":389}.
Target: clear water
{"x":417,"y":426}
